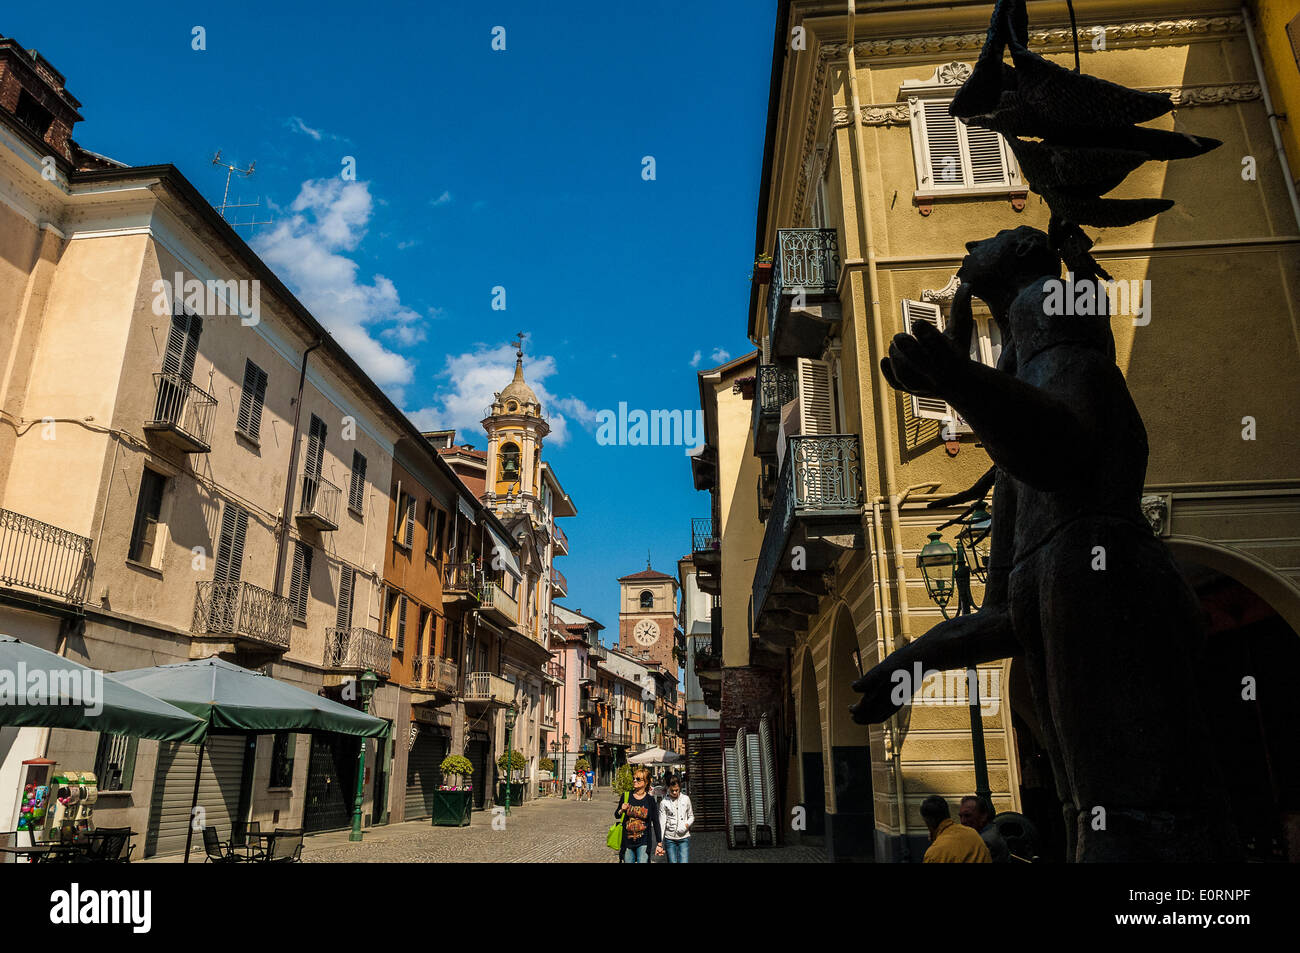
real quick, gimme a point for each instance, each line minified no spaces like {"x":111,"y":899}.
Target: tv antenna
{"x":231,"y":171}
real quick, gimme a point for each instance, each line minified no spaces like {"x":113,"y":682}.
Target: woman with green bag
{"x":640,"y":822}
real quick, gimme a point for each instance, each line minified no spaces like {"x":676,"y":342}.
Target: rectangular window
{"x":115,"y":762}
{"x":300,"y":582}
{"x":282,"y":754}
{"x":357,"y":490}
{"x":951,"y":155}
{"x":426,"y":632}
{"x":439,"y":534}
{"x":230,"y":544}
{"x":251,"y":400}
{"x":148,"y":510}
{"x":347,"y":585}
{"x":985,"y":348}
{"x":399,"y":643}
{"x":429,"y":512}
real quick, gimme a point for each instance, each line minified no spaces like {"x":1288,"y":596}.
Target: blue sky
{"x":476,"y":169}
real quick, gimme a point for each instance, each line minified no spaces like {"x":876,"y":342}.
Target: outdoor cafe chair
{"x":285,"y":847}
{"x":243,"y":838}
{"x":107,"y":845}
{"x":217,"y":851}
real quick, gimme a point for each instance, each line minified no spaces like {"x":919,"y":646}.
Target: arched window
{"x":510,"y":462}
{"x":647,"y":599}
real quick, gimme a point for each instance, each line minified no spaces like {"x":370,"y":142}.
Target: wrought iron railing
{"x":703,"y":537}
{"x":558,"y":582}
{"x":243,"y":610}
{"x":435,"y":674}
{"x":182,"y":406}
{"x":43,"y":559}
{"x":320,"y":500}
{"x":586,"y":707}
{"x":561,"y":541}
{"x":461,"y":577}
{"x":555,"y":669}
{"x":807,"y":261}
{"x":820,"y":475}
{"x":776,"y":388}
{"x":598,"y":652}
{"x":358,"y":648}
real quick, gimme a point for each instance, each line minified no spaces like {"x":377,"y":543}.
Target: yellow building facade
{"x":869,"y":194}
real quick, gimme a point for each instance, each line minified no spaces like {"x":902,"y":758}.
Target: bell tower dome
{"x":515,"y":428}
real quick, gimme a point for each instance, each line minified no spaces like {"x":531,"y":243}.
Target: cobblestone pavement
{"x":545,"y":830}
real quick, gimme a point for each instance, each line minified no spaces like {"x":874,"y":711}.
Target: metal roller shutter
{"x":331,"y":782}
{"x":422,"y":770}
{"x":173,"y":792}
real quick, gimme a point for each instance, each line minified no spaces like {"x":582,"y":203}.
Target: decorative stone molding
{"x":1156,"y":510}
{"x":877,"y":114}
{"x":1210,"y":95}
{"x":943,"y":295}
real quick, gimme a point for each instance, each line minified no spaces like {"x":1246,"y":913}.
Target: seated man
{"x":950,"y":843}
{"x":977,"y":814}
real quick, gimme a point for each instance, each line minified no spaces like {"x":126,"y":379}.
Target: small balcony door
{"x":312,"y":468}
{"x":178,"y":365}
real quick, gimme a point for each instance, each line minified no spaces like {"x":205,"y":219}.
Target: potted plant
{"x":452,"y":803}
{"x":623,"y":780}
{"x":763,"y":269}
{"x":517,"y":764}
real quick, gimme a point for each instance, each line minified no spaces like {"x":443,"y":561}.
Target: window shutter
{"x":925,"y":408}
{"x":300,"y":581}
{"x":347,"y":582}
{"x":252,"y":400}
{"x":988,"y":161}
{"x":816,"y":403}
{"x":943,"y":160}
{"x":408,"y":535}
{"x":230,"y":544}
{"x":315,"y":447}
{"x":400,"y":641}
{"x":357,"y":491}
{"x":397,"y":512}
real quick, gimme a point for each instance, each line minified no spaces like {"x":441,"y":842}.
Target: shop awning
{"x":41,"y":689}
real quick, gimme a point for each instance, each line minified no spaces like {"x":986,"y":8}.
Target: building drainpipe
{"x":901,"y":626}
{"x":283,"y":542}
{"x":1272,"y":116}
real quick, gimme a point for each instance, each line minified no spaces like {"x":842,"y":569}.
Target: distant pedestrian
{"x":977,"y":814}
{"x":640,"y":814}
{"x":579,"y":782}
{"x":950,"y":843}
{"x":676,"y":817}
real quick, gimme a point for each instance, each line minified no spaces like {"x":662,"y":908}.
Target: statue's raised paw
{"x":879,"y":696}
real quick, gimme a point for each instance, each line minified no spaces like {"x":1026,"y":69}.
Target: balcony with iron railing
{"x":182,"y":413}
{"x":244,"y":612}
{"x":559,"y":585}
{"x":358,"y":649}
{"x":486,"y":687}
{"x":43,"y":560}
{"x":461,"y":581}
{"x":597,"y":652}
{"x":554,"y":670}
{"x":561,"y":541}
{"x":433,"y":674}
{"x":803,"y":305}
{"x":776,"y":387}
{"x":319,"y":502}
{"x":596,"y":733}
{"x":587,"y":706}
{"x":818,"y":506}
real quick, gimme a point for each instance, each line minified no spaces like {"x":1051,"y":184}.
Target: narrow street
{"x":546,"y":831}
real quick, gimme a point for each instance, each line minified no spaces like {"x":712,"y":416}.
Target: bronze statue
{"x":1078,"y":587}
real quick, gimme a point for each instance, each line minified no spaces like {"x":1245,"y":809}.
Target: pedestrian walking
{"x":977,"y":814}
{"x":676,"y":817}
{"x":572,"y":779}
{"x":950,"y":843}
{"x":640,"y":815}
{"x":579,"y":782}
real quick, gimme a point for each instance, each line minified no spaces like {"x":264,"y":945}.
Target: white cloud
{"x":443,"y":199}
{"x":695,"y":359}
{"x":297,"y":125}
{"x":720,"y":355}
{"x":328,"y":218}
{"x":473,"y":379}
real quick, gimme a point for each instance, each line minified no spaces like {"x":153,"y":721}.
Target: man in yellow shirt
{"x":951,"y":843}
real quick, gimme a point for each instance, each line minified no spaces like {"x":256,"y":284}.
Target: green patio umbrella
{"x":43,"y":690}
{"x":235,"y":700}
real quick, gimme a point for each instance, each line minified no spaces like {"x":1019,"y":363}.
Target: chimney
{"x":32,"y":91}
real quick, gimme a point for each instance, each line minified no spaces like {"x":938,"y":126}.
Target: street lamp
{"x":511,"y":714}
{"x":367,"y":683}
{"x":947,"y":570}
{"x":555,"y":765}
{"x":564,"y":781}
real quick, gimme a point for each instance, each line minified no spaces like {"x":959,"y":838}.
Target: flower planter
{"x":762,"y":272}
{"x":516,"y":793}
{"x":452,"y":808}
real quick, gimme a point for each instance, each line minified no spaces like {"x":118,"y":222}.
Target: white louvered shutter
{"x":986,"y":156}
{"x":943,"y":153}
{"x":816,"y":399}
{"x":925,"y":408}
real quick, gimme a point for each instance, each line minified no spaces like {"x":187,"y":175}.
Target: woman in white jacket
{"x":675,"y":820}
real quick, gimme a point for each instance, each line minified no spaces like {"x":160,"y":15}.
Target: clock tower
{"x":647,"y":617}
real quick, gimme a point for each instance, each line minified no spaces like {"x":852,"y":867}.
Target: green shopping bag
{"x":614,"y":840}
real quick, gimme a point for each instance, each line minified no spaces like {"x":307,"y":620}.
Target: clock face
{"x":646,"y":632}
